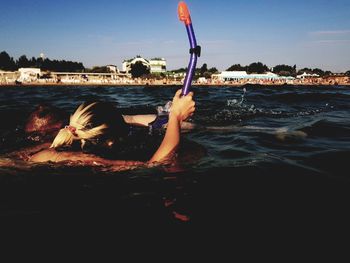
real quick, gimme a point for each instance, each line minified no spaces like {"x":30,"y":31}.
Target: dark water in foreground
{"x":276,"y":156}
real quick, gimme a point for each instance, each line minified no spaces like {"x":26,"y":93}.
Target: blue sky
{"x":308,"y":33}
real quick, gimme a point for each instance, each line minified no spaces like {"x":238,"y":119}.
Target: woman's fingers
{"x":178,"y":93}
{"x":183,"y":105}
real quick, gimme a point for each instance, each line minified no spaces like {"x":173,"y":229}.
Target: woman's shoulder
{"x":25,"y":153}
{"x":46,"y":155}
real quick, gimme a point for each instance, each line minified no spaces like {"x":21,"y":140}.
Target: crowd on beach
{"x":334,"y":80}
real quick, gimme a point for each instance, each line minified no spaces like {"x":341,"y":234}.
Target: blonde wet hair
{"x":79,"y":128}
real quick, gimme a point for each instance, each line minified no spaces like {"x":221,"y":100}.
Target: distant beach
{"x":330,"y":81}
{"x":36,"y":77}
{"x":228,"y":84}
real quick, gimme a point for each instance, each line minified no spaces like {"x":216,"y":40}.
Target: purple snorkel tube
{"x":195,"y":50}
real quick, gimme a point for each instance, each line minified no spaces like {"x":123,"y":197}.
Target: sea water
{"x":269,"y":152}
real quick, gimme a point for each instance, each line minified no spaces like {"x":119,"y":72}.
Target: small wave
{"x":327,"y":128}
{"x":239,"y":110}
{"x":281,"y":133}
{"x":310,"y":96}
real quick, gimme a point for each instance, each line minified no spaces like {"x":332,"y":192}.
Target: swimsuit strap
{"x":162,"y":117}
{"x":158,"y":123}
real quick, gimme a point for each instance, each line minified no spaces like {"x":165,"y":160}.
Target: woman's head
{"x":92,"y":121}
{"x":44,"y":122}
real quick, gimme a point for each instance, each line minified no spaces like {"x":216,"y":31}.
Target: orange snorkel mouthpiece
{"x":184,"y":14}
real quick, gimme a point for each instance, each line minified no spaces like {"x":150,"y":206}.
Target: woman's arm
{"x":51,"y":155}
{"x":181,"y":109}
{"x":25,"y":153}
{"x":146,"y":119}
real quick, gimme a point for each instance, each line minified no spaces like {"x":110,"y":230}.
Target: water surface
{"x":271,"y":152}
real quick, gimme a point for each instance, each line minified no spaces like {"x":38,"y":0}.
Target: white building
{"x":202,"y":80}
{"x":230,"y":75}
{"x":112,"y":68}
{"x":307,"y":75}
{"x":29,"y":74}
{"x":8,"y":77}
{"x":156,"y":65}
{"x":241,"y":75}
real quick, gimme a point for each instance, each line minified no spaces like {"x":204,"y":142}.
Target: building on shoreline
{"x":8,"y":77}
{"x":239,"y":75}
{"x":155,"y":65}
{"x":244,"y":77}
{"x":112,"y":68}
{"x":35,"y":75}
{"x":307,"y":75}
{"x":28,"y":74}
{"x":93,"y":78}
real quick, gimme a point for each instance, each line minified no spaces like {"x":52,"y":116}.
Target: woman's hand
{"x":182,"y":106}
{"x":181,"y":109}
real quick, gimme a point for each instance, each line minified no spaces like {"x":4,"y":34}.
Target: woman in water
{"x":102,"y":124}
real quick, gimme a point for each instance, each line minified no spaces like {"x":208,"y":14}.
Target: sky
{"x":308,"y":33}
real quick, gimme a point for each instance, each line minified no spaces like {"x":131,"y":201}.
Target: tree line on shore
{"x":282,"y":70}
{"x":9,"y":63}
{"x":259,"y":68}
{"x":140,"y":70}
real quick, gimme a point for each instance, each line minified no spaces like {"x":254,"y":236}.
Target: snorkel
{"x":195,"y":50}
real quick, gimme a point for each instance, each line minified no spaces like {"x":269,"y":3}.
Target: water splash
{"x":235,"y":102}
{"x":237,"y":109}
{"x":242,"y":108}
